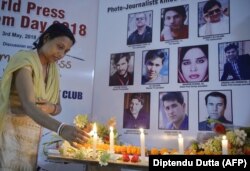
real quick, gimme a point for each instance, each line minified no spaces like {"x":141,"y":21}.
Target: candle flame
{"x":141,"y":130}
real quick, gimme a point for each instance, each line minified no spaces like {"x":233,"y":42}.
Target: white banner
{"x":21,"y":23}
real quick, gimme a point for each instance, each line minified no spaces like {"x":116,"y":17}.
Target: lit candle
{"x":224,"y":142}
{"x":142,"y":140}
{"x":180,"y":143}
{"x":94,"y":137}
{"x":111,"y":140}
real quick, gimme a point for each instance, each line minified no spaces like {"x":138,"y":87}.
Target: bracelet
{"x":59,"y":129}
{"x":55,"y":109}
{"x":60,"y":132}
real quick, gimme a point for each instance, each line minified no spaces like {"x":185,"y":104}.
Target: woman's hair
{"x":53,"y":31}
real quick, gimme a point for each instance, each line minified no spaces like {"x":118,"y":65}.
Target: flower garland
{"x":238,"y":141}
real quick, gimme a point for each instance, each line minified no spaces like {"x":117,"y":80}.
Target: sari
{"x":19,"y":134}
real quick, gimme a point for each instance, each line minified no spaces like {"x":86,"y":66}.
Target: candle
{"x":180,"y":143}
{"x":142,"y":140}
{"x":111,"y":140}
{"x":224,"y":142}
{"x":94,"y":137}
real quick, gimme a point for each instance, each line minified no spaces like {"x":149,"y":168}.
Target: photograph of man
{"x":236,"y":67}
{"x":174,"y":23}
{"x":136,"y":110}
{"x":156,"y":66}
{"x":216,"y":104}
{"x":173,"y":111}
{"x":193,"y":64}
{"x":139,"y":25}
{"x":121,"y":69}
{"x":213,"y":17}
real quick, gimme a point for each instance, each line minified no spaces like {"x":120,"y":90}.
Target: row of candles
{"x":142,"y":142}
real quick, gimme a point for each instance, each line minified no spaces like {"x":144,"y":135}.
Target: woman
{"x":29,"y":96}
{"x":193,"y":64}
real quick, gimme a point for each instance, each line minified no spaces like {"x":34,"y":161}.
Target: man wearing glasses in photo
{"x":143,"y":33}
{"x":216,"y":19}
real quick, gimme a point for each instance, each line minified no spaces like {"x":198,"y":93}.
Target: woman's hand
{"x":74,"y":135}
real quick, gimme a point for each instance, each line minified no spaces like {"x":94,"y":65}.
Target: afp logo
{"x":234,"y":162}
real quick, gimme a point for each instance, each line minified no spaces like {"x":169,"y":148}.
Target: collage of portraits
{"x":191,"y":67}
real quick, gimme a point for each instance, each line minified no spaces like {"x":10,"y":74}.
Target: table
{"x":93,"y":165}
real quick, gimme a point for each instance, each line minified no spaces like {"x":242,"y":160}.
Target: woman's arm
{"x":24,"y":86}
{"x":48,"y":107}
{"x":25,"y":89}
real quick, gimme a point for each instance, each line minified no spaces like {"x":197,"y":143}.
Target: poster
{"x":200,"y":46}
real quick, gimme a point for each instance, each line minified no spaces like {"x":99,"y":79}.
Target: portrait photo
{"x":174,"y":23}
{"x":173,"y":110}
{"x":121,"y":69}
{"x":234,"y":60}
{"x":193,"y":64}
{"x":136,"y":110}
{"x":140,"y":27}
{"x":155,"y":66}
{"x":213,"y":17}
{"x":215,"y":106}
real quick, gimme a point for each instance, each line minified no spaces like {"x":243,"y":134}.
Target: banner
{"x":21,"y":23}
{"x":197,"y":40}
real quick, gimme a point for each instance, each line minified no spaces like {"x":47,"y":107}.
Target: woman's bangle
{"x":55,"y":109}
{"x":59,"y":129}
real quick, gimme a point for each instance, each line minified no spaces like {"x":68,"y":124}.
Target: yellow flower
{"x":81,"y":120}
